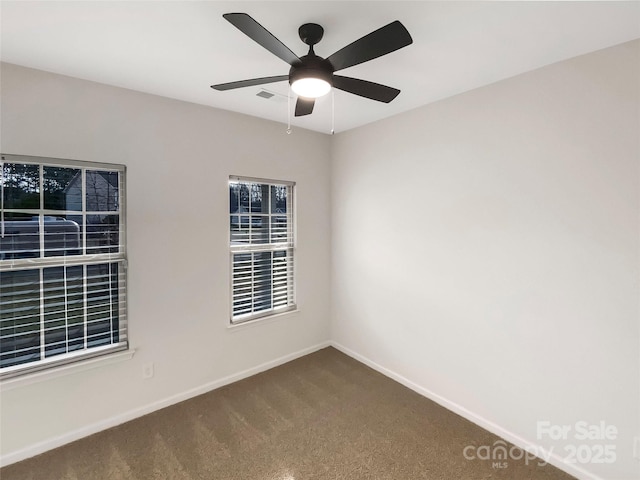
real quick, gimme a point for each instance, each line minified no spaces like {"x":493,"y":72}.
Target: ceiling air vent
{"x":265,"y":94}
{"x":272,"y":96}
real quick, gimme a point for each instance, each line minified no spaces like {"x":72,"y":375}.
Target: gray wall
{"x":179,"y":157}
{"x":486,"y":250}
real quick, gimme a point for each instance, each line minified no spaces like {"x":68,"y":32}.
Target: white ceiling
{"x":178,"y":49}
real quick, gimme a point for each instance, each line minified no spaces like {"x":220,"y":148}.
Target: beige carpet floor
{"x":324,"y":416}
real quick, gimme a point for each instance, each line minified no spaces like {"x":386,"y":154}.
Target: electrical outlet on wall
{"x":147,"y":370}
{"x":636,"y":447}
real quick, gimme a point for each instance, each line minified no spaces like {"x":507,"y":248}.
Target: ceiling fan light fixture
{"x":311,"y":76}
{"x":310,"y":87}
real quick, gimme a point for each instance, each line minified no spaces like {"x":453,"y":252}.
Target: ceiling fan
{"x":312,"y":76}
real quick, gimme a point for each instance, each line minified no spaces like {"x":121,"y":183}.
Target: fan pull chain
{"x":2,"y":199}
{"x":289,"y":111}
{"x":333,"y":112}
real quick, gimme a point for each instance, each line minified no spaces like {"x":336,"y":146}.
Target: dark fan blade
{"x":371,"y":90}
{"x":304,"y":106}
{"x":249,"y":83}
{"x":261,"y":35}
{"x":380,"y":42}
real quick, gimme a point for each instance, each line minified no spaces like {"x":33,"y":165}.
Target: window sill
{"x":62,"y":370}
{"x":261,"y":320}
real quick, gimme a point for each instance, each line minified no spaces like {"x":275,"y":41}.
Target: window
{"x":62,"y":262}
{"x":261,"y":247}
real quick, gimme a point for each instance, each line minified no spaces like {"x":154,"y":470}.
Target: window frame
{"x":289,"y":247}
{"x":84,"y":259}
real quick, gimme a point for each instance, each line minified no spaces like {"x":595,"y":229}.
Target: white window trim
{"x":263,"y":317}
{"x":65,"y":369}
{"x":66,"y":363}
{"x":263,"y":320}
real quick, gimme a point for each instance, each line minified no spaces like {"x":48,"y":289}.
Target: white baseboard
{"x":553,"y":458}
{"x":74,"y":435}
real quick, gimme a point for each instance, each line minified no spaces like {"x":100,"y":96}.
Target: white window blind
{"x":62,"y":262}
{"x":261,"y":247}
